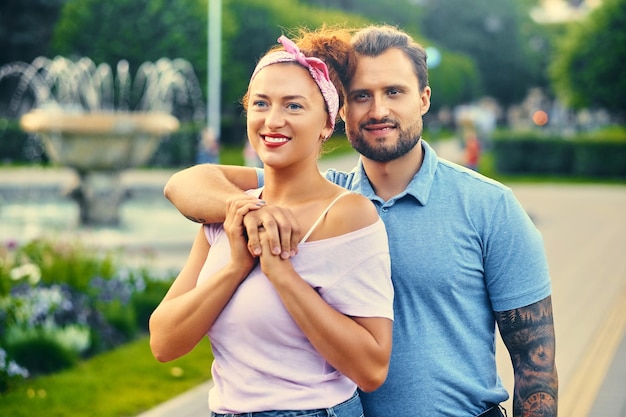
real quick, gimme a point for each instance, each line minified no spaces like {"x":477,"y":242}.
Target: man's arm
{"x":201,"y":192}
{"x":528,"y":334}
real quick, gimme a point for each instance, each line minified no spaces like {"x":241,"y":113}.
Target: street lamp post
{"x":214,"y":53}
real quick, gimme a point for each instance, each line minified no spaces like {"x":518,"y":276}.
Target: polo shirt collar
{"x":419,"y":187}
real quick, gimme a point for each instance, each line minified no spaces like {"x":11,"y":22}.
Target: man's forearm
{"x":201,"y":192}
{"x":528,"y":333}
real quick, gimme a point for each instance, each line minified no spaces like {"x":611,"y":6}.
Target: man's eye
{"x":360,"y":97}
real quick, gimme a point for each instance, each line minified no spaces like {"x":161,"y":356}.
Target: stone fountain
{"x":100,"y":124}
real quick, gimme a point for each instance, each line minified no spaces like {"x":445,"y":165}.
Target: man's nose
{"x":379,"y":108}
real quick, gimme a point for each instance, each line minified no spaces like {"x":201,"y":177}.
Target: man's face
{"x":384,"y":107}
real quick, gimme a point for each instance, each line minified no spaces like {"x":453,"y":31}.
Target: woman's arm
{"x":359,"y":347}
{"x":189,"y":310}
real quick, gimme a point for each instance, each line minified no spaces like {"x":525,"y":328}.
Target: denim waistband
{"x":349,"y":408}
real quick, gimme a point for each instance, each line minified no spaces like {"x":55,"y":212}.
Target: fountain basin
{"x":100,"y":141}
{"x":99,"y":146}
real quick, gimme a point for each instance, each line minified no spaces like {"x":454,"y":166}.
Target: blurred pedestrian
{"x":250,"y":157}
{"x":208,"y":147}
{"x":471,"y":149}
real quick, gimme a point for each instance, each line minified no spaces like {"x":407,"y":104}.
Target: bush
{"x":10,"y":371}
{"x":60,"y":302}
{"x":41,"y":353}
{"x":588,"y":156}
{"x":146,"y":301}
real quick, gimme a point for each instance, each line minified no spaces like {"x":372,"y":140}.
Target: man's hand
{"x":280,"y":226}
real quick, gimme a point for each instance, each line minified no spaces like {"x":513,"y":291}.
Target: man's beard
{"x":379,"y":151}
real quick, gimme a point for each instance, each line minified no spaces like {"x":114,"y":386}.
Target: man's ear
{"x":342,"y":113}
{"x":425,"y":98}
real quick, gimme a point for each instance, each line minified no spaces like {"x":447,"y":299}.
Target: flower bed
{"x":61,"y":302}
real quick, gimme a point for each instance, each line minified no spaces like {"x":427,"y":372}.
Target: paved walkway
{"x":584,"y":227}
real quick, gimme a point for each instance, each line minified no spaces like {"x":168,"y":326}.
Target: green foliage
{"x":68,"y":262}
{"x":586,"y":156}
{"x":146,"y":301}
{"x":491,"y":34}
{"x":122,"y":382}
{"x":61,"y":301}
{"x":122,"y":318}
{"x":456,"y":80}
{"x":25,"y":28}
{"x":10,"y":372}
{"x":134,"y":30}
{"x":41,"y":353}
{"x":403,"y":13}
{"x":588,"y":70}
{"x":13,"y":141}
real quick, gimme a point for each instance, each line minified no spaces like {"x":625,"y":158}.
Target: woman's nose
{"x":275,"y":117}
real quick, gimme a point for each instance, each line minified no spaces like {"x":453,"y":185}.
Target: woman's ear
{"x":326,"y":133}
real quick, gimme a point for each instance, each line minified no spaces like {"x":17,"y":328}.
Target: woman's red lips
{"x":274,"y":139}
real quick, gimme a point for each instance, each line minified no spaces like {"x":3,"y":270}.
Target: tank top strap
{"x":321,"y":217}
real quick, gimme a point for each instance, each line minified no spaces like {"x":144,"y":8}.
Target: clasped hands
{"x":259,"y":229}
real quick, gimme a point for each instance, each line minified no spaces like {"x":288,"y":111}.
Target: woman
{"x":289,"y":336}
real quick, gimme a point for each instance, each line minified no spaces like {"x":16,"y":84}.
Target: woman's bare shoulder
{"x":351,"y":212}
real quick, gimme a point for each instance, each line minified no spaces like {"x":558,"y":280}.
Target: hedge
{"x":602,"y":158}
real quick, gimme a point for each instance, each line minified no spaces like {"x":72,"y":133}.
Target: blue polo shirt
{"x":461,"y":248}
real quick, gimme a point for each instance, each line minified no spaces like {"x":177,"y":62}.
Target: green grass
{"x":120,"y":383}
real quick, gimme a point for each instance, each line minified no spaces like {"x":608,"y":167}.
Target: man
{"x":465,"y":255}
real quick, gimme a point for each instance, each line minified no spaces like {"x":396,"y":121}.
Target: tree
{"x":588,"y":70}
{"x":134,"y":30}
{"x":403,"y":13}
{"x":508,"y":49}
{"x":26,"y":28}
{"x":494,"y":34}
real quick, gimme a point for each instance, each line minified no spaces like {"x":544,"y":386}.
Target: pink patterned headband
{"x":317,"y":68}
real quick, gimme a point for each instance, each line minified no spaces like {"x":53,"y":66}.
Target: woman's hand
{"x":237,"y":209}
{"x":281,"y":229}
{"x":273,"y":266}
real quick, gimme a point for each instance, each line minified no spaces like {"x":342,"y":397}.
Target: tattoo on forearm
{"x":528,"y":333}
{"x":193,"y":219}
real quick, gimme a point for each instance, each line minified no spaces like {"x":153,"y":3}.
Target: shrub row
{"x":584,"y":156}
{"x":61,"y":302}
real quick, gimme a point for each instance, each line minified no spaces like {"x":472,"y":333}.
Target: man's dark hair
{"x":375,"y":40}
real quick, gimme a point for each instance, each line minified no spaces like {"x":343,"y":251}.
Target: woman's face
{"x":286,"y":115}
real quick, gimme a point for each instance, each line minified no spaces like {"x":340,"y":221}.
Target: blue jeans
{"x":349,"y":408}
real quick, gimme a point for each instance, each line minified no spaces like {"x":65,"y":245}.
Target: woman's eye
{"x":294,"y":106}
